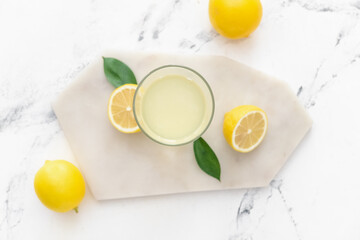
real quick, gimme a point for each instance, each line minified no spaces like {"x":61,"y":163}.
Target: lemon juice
{"x":173,"y":107}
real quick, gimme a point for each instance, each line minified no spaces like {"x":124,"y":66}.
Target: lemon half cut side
{"x":120,"y":109}
{"x":245,"y":127}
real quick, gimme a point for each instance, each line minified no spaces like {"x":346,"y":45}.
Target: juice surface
{"x":173,"y":107}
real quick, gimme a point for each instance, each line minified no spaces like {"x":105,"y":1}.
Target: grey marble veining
{"x":246,"y":223}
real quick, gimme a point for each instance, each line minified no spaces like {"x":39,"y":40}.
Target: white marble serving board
{"x":118,"y":165}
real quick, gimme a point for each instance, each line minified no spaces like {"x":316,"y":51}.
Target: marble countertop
{"x":313,"y":45}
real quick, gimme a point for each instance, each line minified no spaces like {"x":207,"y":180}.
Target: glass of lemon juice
{"x":173,"y":105}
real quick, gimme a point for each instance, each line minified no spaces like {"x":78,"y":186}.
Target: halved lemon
{"x":120,"y":109}
{"x":245,"y":127}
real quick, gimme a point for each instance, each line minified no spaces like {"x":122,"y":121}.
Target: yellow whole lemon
{"x":235,"y":18}
{"x":59,"y":185}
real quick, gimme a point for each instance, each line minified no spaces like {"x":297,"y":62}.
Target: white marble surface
{"x":313,"y":45}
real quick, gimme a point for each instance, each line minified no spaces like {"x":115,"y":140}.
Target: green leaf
{"x":117,"y":72}
{"x":206,"y":158}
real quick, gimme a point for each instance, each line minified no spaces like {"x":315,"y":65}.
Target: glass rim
{"x":207,"y":86}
